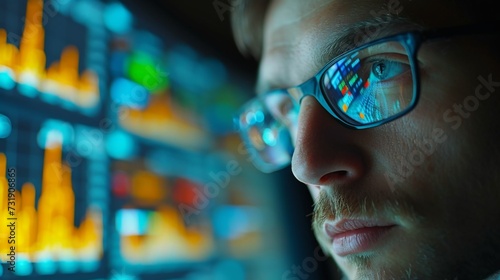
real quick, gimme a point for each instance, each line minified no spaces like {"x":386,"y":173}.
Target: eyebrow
{"x":349,"y":38}
{"x":356,"y":35}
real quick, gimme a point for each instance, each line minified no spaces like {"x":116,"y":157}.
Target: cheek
{"x":412,"y":157}
{"x":459,"y":160}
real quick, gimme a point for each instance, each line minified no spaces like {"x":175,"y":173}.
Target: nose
{"x":326,"y":152}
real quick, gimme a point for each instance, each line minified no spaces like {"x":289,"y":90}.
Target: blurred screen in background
{"x":118,"y":158}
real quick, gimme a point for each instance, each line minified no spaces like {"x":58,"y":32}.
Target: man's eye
{"x":386,"y":69}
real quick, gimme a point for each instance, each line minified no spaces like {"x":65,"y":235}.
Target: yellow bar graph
{"x":48,"y":231}
{"x":26,"y":65}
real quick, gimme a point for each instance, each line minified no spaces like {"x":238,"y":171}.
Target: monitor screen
{"x":118,"y":158}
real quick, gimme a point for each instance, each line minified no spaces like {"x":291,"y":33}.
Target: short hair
{"x":247,"y":22}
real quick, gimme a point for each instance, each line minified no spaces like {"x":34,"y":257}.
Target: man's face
{"x":419,"y":197}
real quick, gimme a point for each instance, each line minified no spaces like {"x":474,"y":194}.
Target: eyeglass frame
{"x":410,"y":40}
{"x":414,"y":40}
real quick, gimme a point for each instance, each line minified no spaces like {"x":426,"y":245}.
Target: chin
{"x":375,"y":267}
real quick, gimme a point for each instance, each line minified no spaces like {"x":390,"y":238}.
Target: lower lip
{"x":359,"y":240}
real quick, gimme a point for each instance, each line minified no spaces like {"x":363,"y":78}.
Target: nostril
{"x":337,"y":176}
{"x":325,"y":153}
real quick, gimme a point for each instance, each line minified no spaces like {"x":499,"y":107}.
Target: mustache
{"x":336,"y":203}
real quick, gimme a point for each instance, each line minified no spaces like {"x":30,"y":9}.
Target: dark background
{"x":201,"y":18}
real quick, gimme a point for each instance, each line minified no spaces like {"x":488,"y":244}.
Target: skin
{"x":446,"y":209}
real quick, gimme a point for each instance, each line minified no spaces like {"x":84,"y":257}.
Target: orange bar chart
{"x":48,"y":232}
{"x":26,"y":65}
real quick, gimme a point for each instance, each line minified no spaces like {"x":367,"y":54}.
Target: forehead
{"x":301,"y":36}
{"x":287,"y":17}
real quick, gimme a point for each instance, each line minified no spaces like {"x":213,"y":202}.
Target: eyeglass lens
{"x":363,"y":87}
{"x":370,"y":85}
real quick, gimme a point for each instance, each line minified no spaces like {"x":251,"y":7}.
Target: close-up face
{"x":414,"y":198}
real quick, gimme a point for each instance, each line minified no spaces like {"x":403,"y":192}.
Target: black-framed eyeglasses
{"x":366,"y":87}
